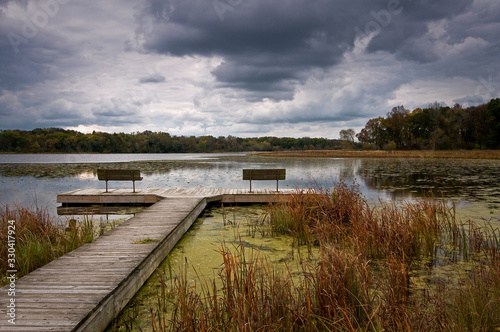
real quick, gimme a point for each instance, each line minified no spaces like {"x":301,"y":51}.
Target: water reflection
{"x":475,"y":180}
{"x":473,"y":184}
{"x":94,"y":158}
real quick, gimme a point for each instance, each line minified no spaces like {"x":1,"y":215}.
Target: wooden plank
{"x":264,"y":174}
{"x":215,"y":198}
{"x":92,"y":196}
{"x":119,"y":175}
{"x":139,"y":198}
{"x":86,"y":289}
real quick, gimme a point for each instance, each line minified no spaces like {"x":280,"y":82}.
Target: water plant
{"x":410,"y":266}
{"x":38,"y":239}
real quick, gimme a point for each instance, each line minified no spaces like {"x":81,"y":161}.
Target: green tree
{"x":397,"y":127}
{"x":421,"y":125}
{"x":375,"y":132}
{"x":493,"y":124}
{"x":347,"y":138}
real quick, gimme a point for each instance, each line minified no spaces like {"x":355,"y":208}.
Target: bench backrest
{"x":264,"y":174}
{"x":119,"y":174}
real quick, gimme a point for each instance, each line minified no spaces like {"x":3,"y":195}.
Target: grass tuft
{"x":38,"y":239}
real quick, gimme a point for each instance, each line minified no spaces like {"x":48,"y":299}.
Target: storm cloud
{"x":240,"y":67}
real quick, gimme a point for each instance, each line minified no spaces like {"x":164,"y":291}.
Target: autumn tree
{"x":374,"y":132}
{"x":421,"y":125}
{"x":347,"y":135}
{"x":493,"y":120}
{"x":397,"y":128}
{"x":347,"y":138}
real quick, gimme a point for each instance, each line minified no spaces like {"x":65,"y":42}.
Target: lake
{"x":36,"y":179}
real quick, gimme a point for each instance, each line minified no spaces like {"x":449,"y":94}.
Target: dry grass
{"x":38,"y":239}
{"x":255,"y":297}
{"x":363,"y":281}
{"x":461,"y":154}
{"x":368,"y":276}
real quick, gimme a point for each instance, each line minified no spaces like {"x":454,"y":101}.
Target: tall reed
{"x":366,"y":279}
{"x":255,"y":296}
{"x":38,"y":239}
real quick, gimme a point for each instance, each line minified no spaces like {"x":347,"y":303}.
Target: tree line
{"x":69,"y":141}
{"x":435,"y":128}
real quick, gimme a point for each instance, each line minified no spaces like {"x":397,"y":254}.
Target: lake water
{"x":474,"y":185}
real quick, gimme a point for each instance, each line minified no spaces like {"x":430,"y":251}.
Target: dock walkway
{"x":87,"y":288}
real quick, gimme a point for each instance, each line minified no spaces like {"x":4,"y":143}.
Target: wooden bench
{"x":119,"y":175}
{"x":264,"y":174}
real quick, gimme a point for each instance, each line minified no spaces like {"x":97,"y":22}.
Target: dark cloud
{"x":4,"y":3}
{"x":114,"y":113}
{"x":268,"y":45}
{"x":265,"y":45}
{"x":430,"y":10}
{"x":403,"y":30}
{"x":241,"y":66}
{"x":156,"y":78}
{"x":30,"y":54}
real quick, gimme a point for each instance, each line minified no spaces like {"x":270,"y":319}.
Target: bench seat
{"x":262,"y":174}
{"x":119,"y":175}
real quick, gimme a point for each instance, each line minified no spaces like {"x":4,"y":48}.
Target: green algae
{"x":197,"y":256}
{"x":198,"y":265}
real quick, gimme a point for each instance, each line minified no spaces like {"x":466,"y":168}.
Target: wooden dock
{"x":87,"y":288}
{"x":151,"y":196}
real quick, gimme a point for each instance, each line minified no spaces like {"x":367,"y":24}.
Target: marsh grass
{"x":392,"y":242}
{"x":38,"y":239}
{"x":253,"y":296}
{"x":372,"y":259}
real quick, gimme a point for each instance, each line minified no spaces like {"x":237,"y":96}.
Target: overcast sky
{"x":240,"y":67}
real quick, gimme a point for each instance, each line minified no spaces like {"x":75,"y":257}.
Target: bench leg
{"x":277,"y":190}
{"x":133,"y":184}
{"x":251,"y":186}
{"x":106,"y":185}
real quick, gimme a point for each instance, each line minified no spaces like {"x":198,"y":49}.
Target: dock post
{"x":133,"y":181}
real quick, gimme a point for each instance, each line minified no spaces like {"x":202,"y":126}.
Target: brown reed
{"x":365,"y":279}
{"x":38,"y":240}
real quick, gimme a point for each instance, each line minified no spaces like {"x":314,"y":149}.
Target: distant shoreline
{"x":460,"y":154}
{"x":437,"y":154}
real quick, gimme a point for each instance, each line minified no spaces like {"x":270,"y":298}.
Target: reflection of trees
{"x":451,"y":178}
{"x":398,"y":179}
{"x":349,"y":168}
{"x":46,"y":170}
{"x":475,"y":179}
{"x":43,"y":170}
